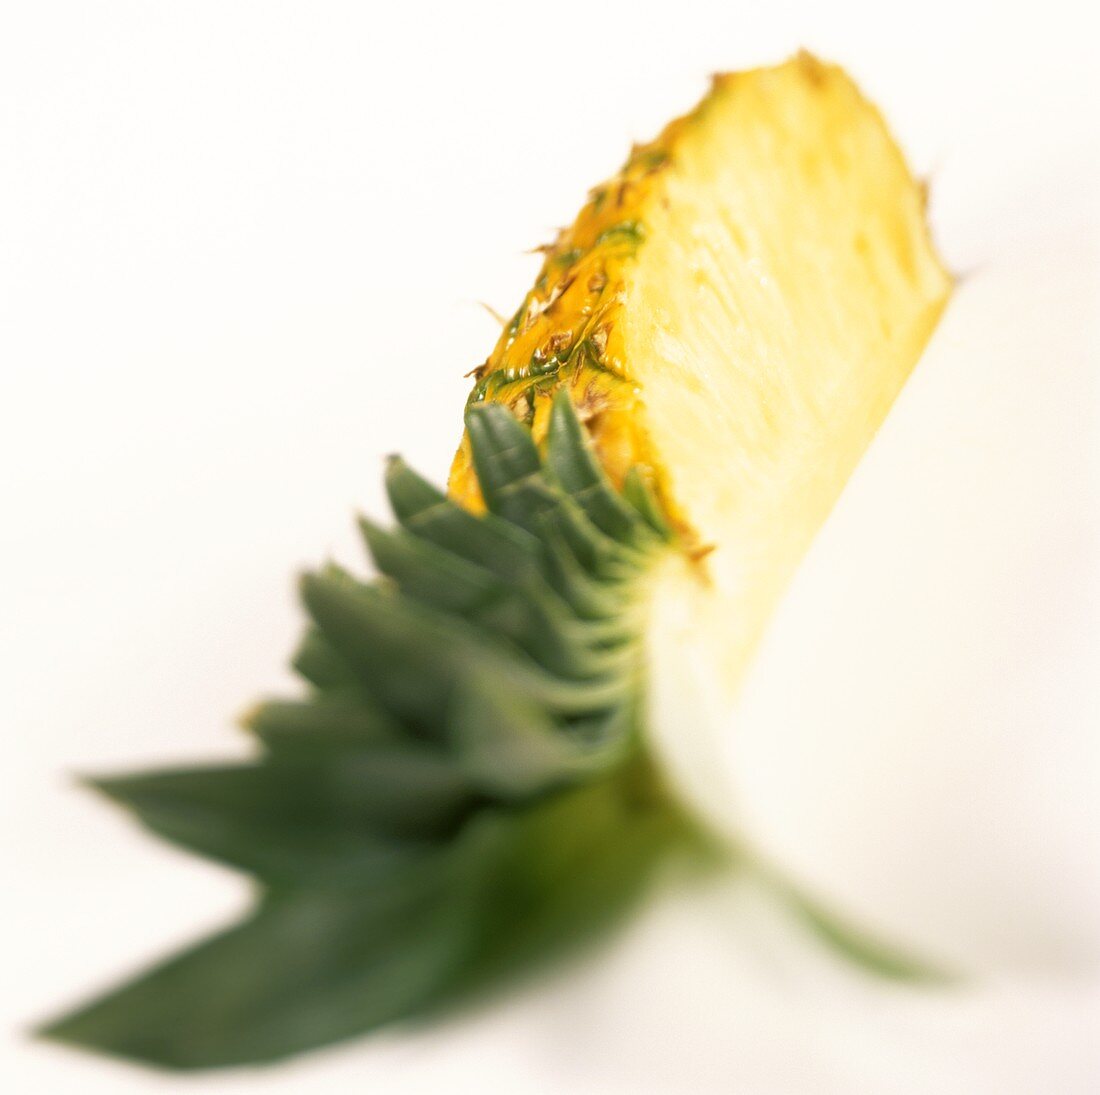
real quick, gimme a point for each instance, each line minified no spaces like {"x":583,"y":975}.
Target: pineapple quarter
{"x":476,"y":777}
{"x":733,"y":313}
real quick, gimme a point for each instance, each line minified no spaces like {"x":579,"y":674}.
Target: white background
{"x":241,"y":250}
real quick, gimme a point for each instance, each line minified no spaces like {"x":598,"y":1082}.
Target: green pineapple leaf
{"x":309,"y":966}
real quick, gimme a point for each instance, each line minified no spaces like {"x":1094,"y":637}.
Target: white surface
{"x":240,"y":250}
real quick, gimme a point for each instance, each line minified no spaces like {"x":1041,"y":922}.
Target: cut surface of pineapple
{"x":733,"y":313}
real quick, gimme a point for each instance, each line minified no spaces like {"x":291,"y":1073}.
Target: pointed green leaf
{"x":501,"y":548}
{"x":335,"y":721}
{"x":342,"y":820}
{"x":401,"y":655}
{"x":503,"y":452}
{"x":307,"y":969}
{"x":429,"y":573}
{"x":573,"y":464}
{"x":321,"y":665}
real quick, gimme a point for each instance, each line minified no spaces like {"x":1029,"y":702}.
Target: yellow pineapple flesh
{"x":734,"y":313}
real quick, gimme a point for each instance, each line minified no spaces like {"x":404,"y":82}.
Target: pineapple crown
{"x":464,"y":789}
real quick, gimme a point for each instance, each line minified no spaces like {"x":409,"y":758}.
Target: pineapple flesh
{"x":734,"y":314}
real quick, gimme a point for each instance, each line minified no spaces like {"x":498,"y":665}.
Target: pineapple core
{"x":734,"y":314}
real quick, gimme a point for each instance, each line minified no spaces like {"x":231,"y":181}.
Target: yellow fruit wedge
{"x":734,"y":313}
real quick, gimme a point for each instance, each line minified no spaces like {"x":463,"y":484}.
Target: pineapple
{"x":490,"y":761}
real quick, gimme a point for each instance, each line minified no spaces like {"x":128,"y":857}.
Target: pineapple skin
{"x":568,"y":333}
